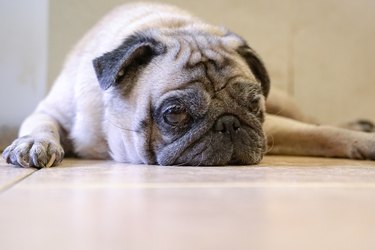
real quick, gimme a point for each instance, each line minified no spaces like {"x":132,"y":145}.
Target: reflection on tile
{"x":284,"y":203}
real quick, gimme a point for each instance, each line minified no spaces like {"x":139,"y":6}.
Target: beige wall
{"x":321,"y":51}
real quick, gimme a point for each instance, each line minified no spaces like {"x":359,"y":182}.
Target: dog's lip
{"x":206,"y":126}
{"x":234,"y":161}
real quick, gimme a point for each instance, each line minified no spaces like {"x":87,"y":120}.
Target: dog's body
{"x":152,"y":84}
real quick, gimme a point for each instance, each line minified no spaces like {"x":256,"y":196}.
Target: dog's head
{"x":184,"y":97}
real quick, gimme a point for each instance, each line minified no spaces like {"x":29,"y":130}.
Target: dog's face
{"x":184,"y":98}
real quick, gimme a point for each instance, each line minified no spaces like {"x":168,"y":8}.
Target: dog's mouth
{"x":235,"y":154}
{"x":225,"y":144}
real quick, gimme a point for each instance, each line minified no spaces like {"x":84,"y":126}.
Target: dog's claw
{"x":30,"y":152}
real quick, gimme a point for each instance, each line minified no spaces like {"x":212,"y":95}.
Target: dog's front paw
{"x":28,"y":151}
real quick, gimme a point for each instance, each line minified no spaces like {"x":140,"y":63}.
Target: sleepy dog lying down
{"x":152,"y":84}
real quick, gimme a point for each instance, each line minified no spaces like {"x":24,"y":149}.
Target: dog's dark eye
{"x":176,"y":115}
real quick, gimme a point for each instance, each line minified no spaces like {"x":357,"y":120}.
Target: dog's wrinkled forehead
{"x":204,"y":47}
{"x":223,"y":56}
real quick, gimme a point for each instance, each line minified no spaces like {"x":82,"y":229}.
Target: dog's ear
{"x":257,"y":67}
{"x":136,"y":51}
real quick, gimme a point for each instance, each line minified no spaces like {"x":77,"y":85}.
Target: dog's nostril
{"x":227,"y":124}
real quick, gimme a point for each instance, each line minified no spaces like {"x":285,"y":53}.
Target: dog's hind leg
{"x":290,"y":137}
{"x":281,"y":104}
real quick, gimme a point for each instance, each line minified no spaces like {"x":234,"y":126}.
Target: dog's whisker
{"x":269,"y":148}
{"x":125,"y":129}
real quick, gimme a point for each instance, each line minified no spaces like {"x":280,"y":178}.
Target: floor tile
{"x":284,"y":203}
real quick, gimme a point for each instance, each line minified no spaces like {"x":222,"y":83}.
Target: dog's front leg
{"x":38,"y":145}
{"x":290,"y":137}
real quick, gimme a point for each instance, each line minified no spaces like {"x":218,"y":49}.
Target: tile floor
{"x":284,"y":203}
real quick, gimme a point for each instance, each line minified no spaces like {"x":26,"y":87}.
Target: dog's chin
{"x":216,"y":149}
{"x":225,"y":155}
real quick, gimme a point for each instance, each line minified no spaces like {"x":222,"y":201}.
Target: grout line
{"x":11,"y":184}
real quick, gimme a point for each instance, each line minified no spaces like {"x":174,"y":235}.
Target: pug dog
{"x":152,"y":84}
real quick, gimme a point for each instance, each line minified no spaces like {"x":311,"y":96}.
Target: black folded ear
{"x":134,"y":53}
{"x":257,"y":67}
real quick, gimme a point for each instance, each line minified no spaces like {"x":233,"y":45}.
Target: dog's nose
{"x":227,"y":124}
